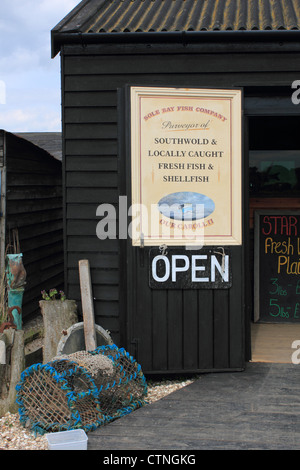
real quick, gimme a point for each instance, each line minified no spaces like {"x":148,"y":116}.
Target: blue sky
{"x":30,"y":88}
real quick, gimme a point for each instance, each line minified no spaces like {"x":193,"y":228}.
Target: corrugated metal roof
{"x":109,"y":16}
{"x":101,"y":20}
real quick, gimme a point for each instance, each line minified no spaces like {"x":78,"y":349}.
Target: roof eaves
{"x":154,"y":37}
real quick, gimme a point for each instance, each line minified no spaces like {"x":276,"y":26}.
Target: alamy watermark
{"x":296,"y":354}
{"x":183,"y":222}
{"x":296,"y":94}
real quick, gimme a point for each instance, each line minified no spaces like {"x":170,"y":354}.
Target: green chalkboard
{"x":277,"y":266}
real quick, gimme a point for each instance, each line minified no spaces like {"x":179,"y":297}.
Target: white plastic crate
{"x":75,"y":439}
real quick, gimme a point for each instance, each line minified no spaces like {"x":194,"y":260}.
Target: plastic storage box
{"x":75,"y":439}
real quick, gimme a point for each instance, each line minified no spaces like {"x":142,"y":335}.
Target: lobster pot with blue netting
{"x":81,"y":390}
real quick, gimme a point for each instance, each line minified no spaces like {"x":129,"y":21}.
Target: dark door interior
{"x":274,"y":169}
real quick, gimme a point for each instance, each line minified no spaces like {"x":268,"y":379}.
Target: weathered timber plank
{"x":90,"y":115}
{"x":221,"y":329}
{"x":99,"y":276}
{"x":255,"y":409}
{"x":32,"y":179}
{"x":91,"y":243}
{"x":86,"y":99}
{"x":205,"y":327}
{"x":193,"y":63}
{"x":91,"y":163}
{"x":175,"y":337}
{"x":27,"y":193}
{"x":27,"y":219}
{"x":112,"y":82}
{"x":272,"y":342}
{"x":92,"y":179}
{"x":77,"y":211}
{"x":77,"y":228}
{"x":91,"y":131}
{"x":95,"y":195}
{"x":97,"y":260}
{"x":14,"y":207}
{"x":190,"y":329}
{"x":236,"y":314}
{"x":91,"y":146}
{"x":159,"y":322}
{"x":87,"y":303}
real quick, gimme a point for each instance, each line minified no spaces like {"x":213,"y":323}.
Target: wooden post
{"x":87,"y":305}
{"x":11,"y":368}
{"x":57,"y":316}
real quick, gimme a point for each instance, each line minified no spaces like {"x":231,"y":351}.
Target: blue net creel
{"x":83,"y":390}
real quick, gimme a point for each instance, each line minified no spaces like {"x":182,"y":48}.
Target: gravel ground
{"x":13,"y":436}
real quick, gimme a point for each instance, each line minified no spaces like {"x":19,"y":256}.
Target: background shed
{"x":31,"y":206}
{"x":108,"y":45}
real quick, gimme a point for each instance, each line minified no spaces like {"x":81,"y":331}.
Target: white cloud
{"x":31,"y":78}
{"x":33,"y":119}
{"x":20,"y":60}
{"x":17,"y":115}
{"x":2,"y":92}
{"x":35,"y":15}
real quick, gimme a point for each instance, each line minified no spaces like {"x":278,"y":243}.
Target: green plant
{"x":52,"y":295}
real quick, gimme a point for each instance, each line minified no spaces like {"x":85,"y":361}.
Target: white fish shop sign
{"x":186,"y":166}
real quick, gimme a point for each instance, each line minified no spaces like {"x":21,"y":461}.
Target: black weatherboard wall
{"x":33,"y":209}
{"x":107,"y":46}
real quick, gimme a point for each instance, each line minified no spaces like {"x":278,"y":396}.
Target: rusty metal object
{"x":10,"y":324}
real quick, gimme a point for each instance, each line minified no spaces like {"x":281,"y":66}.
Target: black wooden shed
{"x":108,"y":46}
{"x":31,"y":210}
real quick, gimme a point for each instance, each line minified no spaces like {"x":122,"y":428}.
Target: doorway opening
{"x":274,"y":184}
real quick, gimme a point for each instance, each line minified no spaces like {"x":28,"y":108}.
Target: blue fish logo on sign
{"x":186,"y":205}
